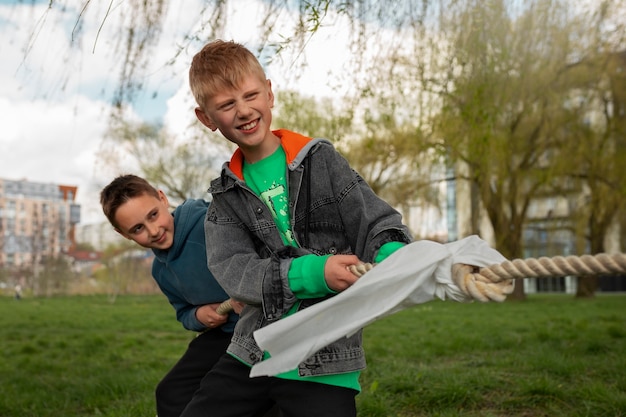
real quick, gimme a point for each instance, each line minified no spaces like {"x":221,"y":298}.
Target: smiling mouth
{"x":249,"y":126}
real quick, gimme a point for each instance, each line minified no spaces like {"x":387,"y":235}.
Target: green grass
{"x":547,"y":356}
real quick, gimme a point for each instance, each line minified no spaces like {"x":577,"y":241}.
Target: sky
{"x":57,"y":79}
{"x":56,"y":86}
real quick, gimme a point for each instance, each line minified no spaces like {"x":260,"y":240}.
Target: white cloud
{"x":52,"y":107}
{"x":56,"y":82}
{"x":48,"y":143}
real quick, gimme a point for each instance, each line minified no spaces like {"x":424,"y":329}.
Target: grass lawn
{"x":551,"y":355}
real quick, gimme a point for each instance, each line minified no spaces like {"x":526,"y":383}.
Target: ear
{"x":163,"y":198}
{"x":270,"y":94}
{"x":204,"y":119}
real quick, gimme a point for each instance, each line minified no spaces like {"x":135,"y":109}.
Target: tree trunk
{"x":518,"y":293}
{"x":598,"y":227}
{"x":510,"y":247}
{"x":587,"y":286}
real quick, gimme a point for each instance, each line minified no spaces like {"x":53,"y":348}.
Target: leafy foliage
{"x":182,"y":168}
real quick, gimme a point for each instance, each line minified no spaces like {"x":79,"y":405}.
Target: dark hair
{"x":122,"y":189}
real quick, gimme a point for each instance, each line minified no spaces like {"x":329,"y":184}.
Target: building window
{"x":10,"y":212}
{"x":11,"y":225}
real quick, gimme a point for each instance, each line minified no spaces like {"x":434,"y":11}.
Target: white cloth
{"x":415,"y":274}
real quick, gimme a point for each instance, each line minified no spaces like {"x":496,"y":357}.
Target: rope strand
{"x":558,"y":266}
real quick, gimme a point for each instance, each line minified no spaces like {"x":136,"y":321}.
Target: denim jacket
{"x":333,"y":211}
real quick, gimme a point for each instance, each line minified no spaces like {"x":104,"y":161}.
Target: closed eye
{"x":227,"y":106}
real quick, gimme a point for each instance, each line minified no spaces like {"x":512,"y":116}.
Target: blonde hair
{"x":221,"y":65}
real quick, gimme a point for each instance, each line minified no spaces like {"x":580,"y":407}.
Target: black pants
{"x":181,"y":382}
{"x":177,"y":387}
{"x":228,"y":391}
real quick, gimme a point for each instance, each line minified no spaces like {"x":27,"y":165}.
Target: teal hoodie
{"x":182,"y":272}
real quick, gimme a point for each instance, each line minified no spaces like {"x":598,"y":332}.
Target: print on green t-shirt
{"x":267,"y":178}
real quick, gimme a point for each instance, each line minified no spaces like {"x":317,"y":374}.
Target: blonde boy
{"x":288,"y":217}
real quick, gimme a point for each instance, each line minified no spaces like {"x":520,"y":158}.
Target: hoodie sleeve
{"x":185,"y":312}
{"x":182,"y":272}
{"x":306,"y":277}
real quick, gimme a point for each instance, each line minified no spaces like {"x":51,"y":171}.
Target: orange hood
{"x":291,"y":142}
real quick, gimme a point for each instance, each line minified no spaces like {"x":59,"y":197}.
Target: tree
{"x":599,"y":157}
{"x":182,"y":168}
{"x":505,"y":94}
{"x":390,"y":154}
{"x":312,"y":116}
{"x":124,"y":272}
{"x":392,"y":140}
{"x":55,"y":277}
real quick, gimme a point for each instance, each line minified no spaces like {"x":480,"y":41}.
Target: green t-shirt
{"x":267,"y":178}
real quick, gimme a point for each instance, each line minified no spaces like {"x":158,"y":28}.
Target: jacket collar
{"x":291,"y":142}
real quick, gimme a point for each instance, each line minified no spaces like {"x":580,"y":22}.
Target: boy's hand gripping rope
{"x":495,"y":282}
{"x":225,"y":307}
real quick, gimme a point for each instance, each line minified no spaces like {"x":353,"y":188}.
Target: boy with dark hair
{"x":140,"y":212}
{"x":288,"y":217}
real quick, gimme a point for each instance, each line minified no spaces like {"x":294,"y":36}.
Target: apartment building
{"x":37,"y":221}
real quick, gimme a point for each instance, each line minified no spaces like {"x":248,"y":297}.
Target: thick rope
{"x":558,"y":266}
{"x":495,"y":282}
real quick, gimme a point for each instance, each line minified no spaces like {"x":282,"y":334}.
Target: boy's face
{"x":146,"y":220}
{"x":243,"y":115}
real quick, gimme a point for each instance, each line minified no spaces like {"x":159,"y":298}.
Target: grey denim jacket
{"x":333,"y":211}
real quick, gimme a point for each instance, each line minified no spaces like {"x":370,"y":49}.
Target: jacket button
{"x":333,"y":251}
{"x":259,"y":210}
